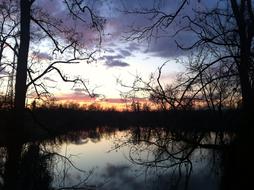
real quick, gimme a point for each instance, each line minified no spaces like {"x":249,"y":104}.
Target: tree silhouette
{"x":224,"y":33}
{"x":8,"y":42}
{"x":36,"y":27}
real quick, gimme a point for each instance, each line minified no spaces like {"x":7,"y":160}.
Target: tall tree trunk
{"x":247,"y":94}
{"x":245,"y":30}
{"x":21,"y":76}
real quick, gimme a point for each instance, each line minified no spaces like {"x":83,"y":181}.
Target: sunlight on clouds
{"x":103,"y":79}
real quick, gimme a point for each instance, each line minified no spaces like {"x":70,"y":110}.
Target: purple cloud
{"x":116,"y":63}
{"x":133,"y":47}
{"x":167,"y":46}
{"x":42,"y":55}
{"x":114,"y":60}
{"x":115,"y":28}
{"x":125,"y":53}
{"x":112,"y":57}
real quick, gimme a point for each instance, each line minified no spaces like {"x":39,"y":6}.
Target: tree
{"x":8,"y":42}
{"x":224,"y":33}
{"x":37,"y":26}
{"x":217,"y":85}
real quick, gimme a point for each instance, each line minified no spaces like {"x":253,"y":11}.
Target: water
{"x":127,"y":160}
{"x":107,"y":158}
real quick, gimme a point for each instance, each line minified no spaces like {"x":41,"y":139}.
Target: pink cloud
{"x":75,"y":97}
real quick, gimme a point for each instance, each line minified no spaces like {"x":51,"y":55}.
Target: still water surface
{"x":109,"y":158}
{"x":135,"y":158}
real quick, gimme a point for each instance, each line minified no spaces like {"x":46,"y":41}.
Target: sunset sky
{"x":115,"y":58}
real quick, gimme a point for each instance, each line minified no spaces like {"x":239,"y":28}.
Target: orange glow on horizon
{"x":88,"y":103}
{"x":107,"y":104}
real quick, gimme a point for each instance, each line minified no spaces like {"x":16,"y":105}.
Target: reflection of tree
{"x":173,"y":153}
{"x":26,"y":168}
{"x":34,"y":161}
{"x":168,"y":158}
{"x":39,"y":165}
{"x":2,"y":160}
{"x":32,"y":166}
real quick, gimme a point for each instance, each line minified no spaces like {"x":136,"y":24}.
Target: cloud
{"x":111,"y":57}
{"x":116,"y":63}
{"x":120,"y":176}
{"x":41,"y":55}
{"x":119,"y":54}
{"x":68,"y":28}
{"x":162,"y":42}
{"x":167,"y":47}
{"x":114,"y":100}
{"x":115,"y":28}
{"x":125,"y":53}
{"x":163,"y":48}
{"x":76,"y":96}
{"x":133,"y":46}
{"x":114,"y":170}
{"x":49,"y":79}
{"x":114,"y":60}
{"x":109,"y":50}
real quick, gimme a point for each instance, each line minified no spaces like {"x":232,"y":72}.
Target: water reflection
{"x":109,"y":158}
{"x":25,"y":167}
{"x":175,"y":159}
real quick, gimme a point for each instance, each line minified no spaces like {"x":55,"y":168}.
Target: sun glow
{"x":112,"y":104}
{"x":95,"y":104}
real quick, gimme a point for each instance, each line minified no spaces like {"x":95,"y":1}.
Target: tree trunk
{"x":245,"y":27}
{"x":21,"y":76}
{"x":247,"y":95}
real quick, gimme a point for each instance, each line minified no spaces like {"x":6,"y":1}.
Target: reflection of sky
{"x":115,"y":171}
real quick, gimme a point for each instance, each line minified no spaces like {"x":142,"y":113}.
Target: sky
{"x":116,"y":58}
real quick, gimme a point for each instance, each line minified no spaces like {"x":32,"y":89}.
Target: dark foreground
{"x":162,"y":150}
{"x":58,"y":120}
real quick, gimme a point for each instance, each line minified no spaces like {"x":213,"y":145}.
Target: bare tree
{"x":37,"y":26}
{"x":8,"y":43}
{"x":223,"y":31}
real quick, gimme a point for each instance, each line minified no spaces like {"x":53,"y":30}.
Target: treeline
{"x":125,"y":105}
{"x":190,"y":120}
